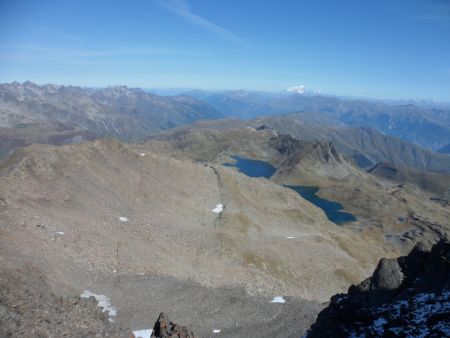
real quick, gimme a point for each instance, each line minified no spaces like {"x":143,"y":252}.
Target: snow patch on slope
{"x":143,"y":333}
{"x":278,"y":299}
{"x":103,"y":301}
{"x":218,"y":209}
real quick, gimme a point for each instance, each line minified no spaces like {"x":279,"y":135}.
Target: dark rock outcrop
{"x":164,"y":328}
{"x":285,"y":144}
{"x":406,"y":297}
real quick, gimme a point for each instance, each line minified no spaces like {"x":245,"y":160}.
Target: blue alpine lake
{"x":252,"y":168}
{"x":333,"y":210}
{"x":255,"y":168}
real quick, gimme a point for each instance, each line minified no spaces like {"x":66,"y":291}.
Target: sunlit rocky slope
{"x":161,"y":225}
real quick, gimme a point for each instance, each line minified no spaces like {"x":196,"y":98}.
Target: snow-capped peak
{"x":296,"y":89}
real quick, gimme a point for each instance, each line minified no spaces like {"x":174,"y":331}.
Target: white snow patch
{"x":142,"y":155}
{"x":103,"y":301}
{"x":290,"y":237}
{"x":123,"y":219}
{"x":60,"y":232}
{"x":296,"y":89}
{"x":218,"y":209}
{"x":216,"y":331}
{"x":143,"y":333}
{"x":278,"y":299}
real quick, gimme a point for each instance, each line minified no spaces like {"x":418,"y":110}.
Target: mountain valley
{"x":169,"y":222}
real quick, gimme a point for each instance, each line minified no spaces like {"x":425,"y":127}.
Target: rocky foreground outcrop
{"x":164,"y":328}
{"x":405,"y":297}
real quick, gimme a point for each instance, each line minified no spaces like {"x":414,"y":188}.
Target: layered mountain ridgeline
{"x":428,"y":126}
{"x":56,"y":114}
{"x":240,"y":103}
{"x":53,"y":114}
{"x":366,"y":146}
{"x":434,"y":183}
{"x":405,"y":297}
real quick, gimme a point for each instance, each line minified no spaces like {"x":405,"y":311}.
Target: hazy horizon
{"x":380,"y":50}
{"x":167,"y":91}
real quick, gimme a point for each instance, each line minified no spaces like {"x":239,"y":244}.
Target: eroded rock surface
{"x":405,"y":297}
{"x":165,"y":328}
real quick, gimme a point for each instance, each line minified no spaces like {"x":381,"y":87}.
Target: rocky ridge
{"x":367,"y":146}
{"x":55,"y":114}
{"x":405,"y":297}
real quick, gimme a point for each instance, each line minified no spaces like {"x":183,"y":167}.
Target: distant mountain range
{"x":368,"y":131}
{"x":61,"y":114}
{"x":427,"y":125}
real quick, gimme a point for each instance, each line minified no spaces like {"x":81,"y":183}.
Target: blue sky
{"x":382,"y":49}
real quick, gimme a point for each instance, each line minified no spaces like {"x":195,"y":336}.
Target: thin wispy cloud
{"x":182,"y":9}
{"x":22,"y":52}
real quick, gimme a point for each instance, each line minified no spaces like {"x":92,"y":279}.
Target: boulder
{"x":164,"y":328}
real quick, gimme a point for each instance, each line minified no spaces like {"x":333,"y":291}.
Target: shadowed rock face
{"x":164,"y":328}
{"x":285,"y":144}
{"x":407,"y":296}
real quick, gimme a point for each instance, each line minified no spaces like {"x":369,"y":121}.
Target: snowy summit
{"x":296,"y":90}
